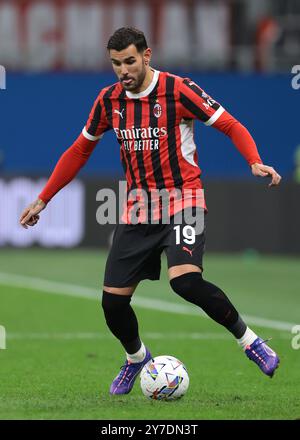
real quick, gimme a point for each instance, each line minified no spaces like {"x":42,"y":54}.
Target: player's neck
{"x":147,"y":81}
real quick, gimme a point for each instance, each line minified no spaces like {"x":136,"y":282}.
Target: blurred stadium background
{"x":241,"y":52}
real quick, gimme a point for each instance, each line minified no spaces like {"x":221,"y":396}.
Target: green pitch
{"x":60,"y":358}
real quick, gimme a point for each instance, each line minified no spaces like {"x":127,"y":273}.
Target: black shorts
{"x":136,"y":249}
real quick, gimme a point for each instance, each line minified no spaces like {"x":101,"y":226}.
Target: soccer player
{"x":152,"y":114}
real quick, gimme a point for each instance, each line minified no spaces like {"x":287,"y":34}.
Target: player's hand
{"x":258,"y":169}
{"x":30,"y":215}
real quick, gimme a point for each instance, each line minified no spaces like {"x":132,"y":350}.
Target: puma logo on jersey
{"x":119,"y":113}
{"x":190,"y":251}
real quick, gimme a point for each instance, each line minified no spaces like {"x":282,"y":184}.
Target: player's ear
{"x":147,"y":56}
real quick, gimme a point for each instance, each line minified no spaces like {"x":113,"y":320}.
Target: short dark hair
{"x":126,"y":36}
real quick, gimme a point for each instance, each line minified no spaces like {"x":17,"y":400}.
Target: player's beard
{"x":136,"y":83}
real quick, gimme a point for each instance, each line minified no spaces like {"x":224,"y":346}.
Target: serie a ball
{"x":164,"y":378}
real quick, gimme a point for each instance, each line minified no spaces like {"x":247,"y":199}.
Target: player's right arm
{"x":69,"y":164}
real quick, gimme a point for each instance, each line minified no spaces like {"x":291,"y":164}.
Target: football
{"x":164,"y":378}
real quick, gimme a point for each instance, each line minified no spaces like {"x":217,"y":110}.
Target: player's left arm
{"x":198,"y":105}
{"x":245,"y":143}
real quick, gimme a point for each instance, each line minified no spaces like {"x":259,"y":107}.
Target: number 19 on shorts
{"x":186,"y":234}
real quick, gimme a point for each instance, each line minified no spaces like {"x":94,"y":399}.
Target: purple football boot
{"x":124,"y":382}
{"x":260,"y":353}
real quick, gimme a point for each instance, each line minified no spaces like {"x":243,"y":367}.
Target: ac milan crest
{"x":157,"y":110}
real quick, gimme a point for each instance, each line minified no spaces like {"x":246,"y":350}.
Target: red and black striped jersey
{"x":155,"y":130}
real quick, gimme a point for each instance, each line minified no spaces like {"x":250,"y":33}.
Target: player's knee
{"x":187,"y":285}
{"x":112,"y":301}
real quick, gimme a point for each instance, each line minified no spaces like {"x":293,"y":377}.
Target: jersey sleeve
{"x":97,"y":122}
{"x":196,"y":104}
{"x":239,"y":136}
{"x":75,"y":157}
